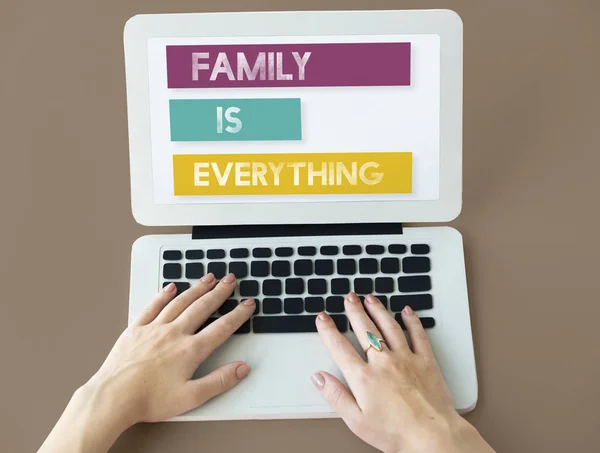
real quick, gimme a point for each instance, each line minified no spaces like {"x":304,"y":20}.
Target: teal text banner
{"x":200,"y":120}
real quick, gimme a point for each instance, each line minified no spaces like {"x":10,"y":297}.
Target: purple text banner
{"x":289,"y":65}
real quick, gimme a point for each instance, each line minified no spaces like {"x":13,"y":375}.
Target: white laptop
{"x":297,"y":145}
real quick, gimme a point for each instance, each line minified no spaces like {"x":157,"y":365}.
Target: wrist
{"x":99,"y":406}
{"x":462,"y":437}
{"x":456,"y":435}
{"x":89,"y":423}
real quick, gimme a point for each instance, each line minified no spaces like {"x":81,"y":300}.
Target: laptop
{"x":297,"y":145}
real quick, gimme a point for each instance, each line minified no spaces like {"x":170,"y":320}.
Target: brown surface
{"x":530,"y":221}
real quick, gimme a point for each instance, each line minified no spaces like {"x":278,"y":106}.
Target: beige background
{"x":530,"y":221}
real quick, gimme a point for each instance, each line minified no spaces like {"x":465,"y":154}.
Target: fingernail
{"x":408,"y":310}
{"x":248,"y":302}
{"x":208,"y":278}
{"x":169,"y":288}
{"x":324,"y":316}
{"x":242,"y":371}
{"x":371,"y":299}
{"x":318,"y":380}
{"x":229,"y":278}
{"x":352,"y":297}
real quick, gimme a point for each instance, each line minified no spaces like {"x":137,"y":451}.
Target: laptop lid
{"x":295,"y":117}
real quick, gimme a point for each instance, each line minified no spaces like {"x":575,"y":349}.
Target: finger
{"x":361,"y":323}
{"x":338,"y":396}
{"x":418,"y":338}
{"x":214,"y":335}
{"x":199,"y":311}
{"x":340,"y":349}
{"x":152,"y":310}
{"x":185,"y":299}
{"x":387,"y":325}
{"x":222,"y":379}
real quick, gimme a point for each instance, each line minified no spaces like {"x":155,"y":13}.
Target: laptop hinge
{"x":261,"y":231}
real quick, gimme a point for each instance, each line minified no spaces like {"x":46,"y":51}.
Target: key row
{"x":337,"y":286}
{"x":301,"y":267}
{"x":341,"y":286}
{"x":331,"y":304}
{"x":267,"y":252}
{"x":316,"y":304}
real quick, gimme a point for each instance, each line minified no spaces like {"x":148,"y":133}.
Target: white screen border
{"x":445,"y":23}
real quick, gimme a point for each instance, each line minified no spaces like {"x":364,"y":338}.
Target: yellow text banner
{"x":293,"y":174}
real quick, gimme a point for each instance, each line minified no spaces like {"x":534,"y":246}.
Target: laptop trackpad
{"x":281,"y":370}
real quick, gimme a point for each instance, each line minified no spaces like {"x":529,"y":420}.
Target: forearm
{"x":89,"y":424}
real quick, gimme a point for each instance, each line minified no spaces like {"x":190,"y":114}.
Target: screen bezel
{"x":445,"y":23}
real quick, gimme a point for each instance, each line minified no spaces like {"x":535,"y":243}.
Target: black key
{"x":280,"y":269}
{"x":383,"y":300}
{"x":330,"y":250}
{"x":259,"y":268}
{"x":294,"y":324}
{"x":340,"y":286}
{"x":419,"y":249}
{"x":194,"y":270}
{"x":272,"y":306}
{"x":367,"y":266}
{"x":257,"y":307}
{"x":215,"y":254}
{"x":375,"y":249}
{"x":293,"y":305}
{"x":303,"y":267}
{"x":346,"y":266}
{"x":390,"y":265}
{"x":352,"y":249}
{"x":294,"y":286}
{"x":397,"y":249}
{"x":219,"y":269}
{"x":249,"y":288}
{"x":428,"y":323}
{"x":245,"y":328}
{"x":317,"y":286}
{"x":384,"y":285}
{"x":414,"y":284}
{"x":172,"y":271}
{"x":239,"y":269}
{"x":334,"y":304}
{"x":194,"y":254}
{"x":314,"y":304}
{"x":272,"y":287}
{"x":261,"y":252}
{"x":228,"y":306}
{"x":363,"y":285}
{"x":414,"y":301}
{"x":181,"y":286}
{"x":416,"y":265}
{"x":307,"y":251}
{"x":323,"y":267}
{"x":172,"y":255}
{"x":238,"y":253}
{"x":284,"y":251}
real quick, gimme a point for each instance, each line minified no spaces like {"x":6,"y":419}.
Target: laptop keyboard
{"x":291,"y":285}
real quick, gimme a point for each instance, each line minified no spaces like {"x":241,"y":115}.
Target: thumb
{"x":338,"y":396}
{"x":217,"y":382}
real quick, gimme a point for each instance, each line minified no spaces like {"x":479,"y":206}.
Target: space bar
{"x":295,"y":324}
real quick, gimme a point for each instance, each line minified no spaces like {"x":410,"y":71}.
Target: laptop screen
{"x":302,"y":118}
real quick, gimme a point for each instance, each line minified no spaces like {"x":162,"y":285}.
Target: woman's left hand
{"x":150,"y":367}
{"x":147,"y":376}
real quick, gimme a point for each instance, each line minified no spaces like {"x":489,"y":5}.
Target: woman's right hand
{"x":399,"y":401}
